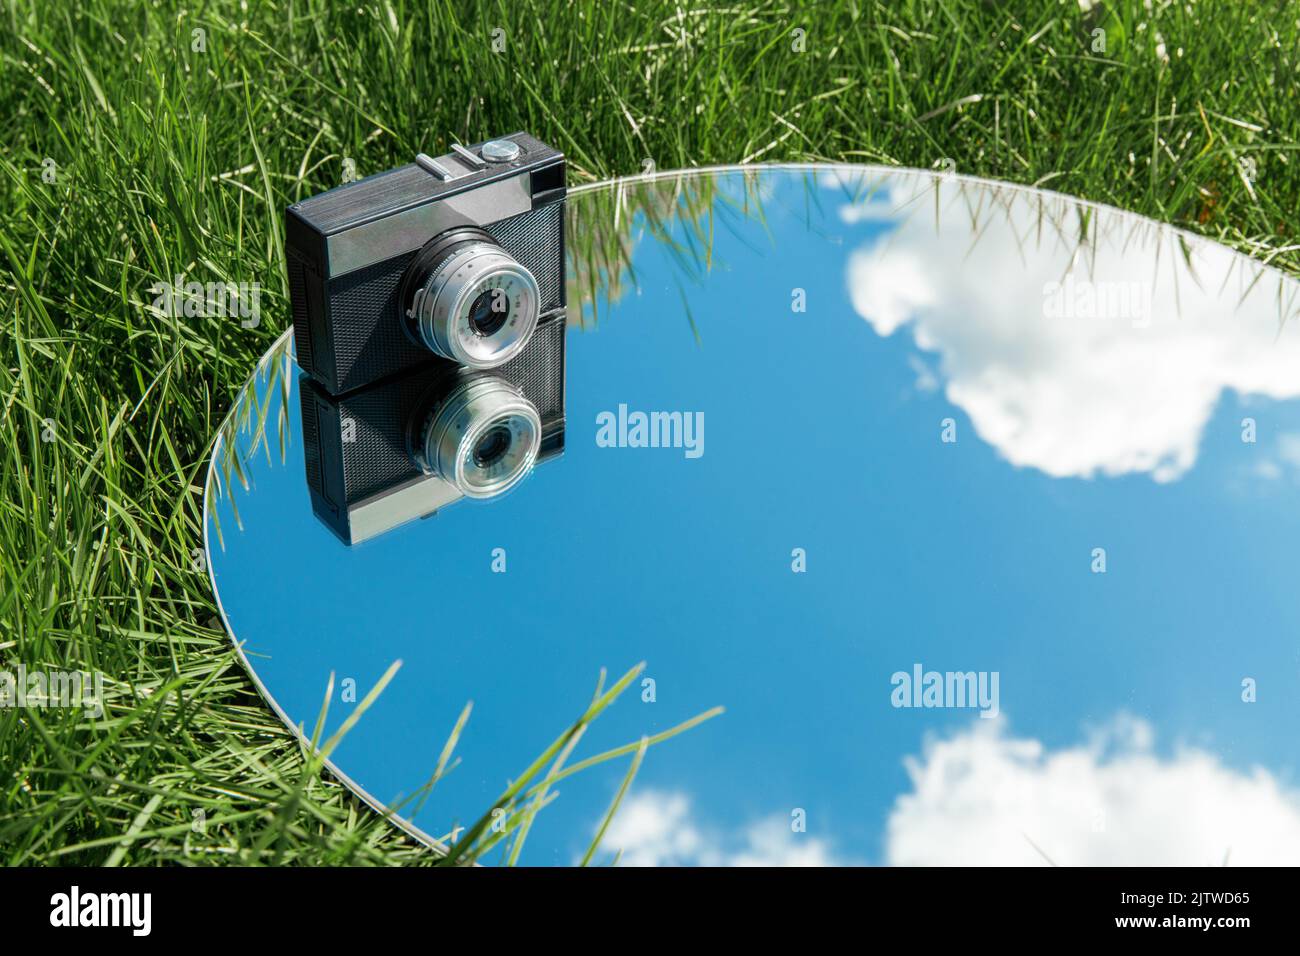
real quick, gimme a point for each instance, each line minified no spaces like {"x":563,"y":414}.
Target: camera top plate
{"x":358,"y":224}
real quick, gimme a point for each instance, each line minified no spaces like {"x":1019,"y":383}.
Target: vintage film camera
{"x":457,"y":259}
{"x":428,"y":313}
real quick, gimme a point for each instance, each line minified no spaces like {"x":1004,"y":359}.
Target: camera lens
{"x":489,"y":312}
{"x":470,"y":301}
{"x":483,"y":437}
{"x":492,"y":447}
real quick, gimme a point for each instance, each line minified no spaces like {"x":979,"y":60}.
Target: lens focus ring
{"x":476,"y":306}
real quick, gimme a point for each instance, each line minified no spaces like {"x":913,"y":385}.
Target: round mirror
{"x":976,"y":507}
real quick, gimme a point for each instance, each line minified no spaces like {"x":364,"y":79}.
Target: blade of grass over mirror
{"x":618,"y":800}
{"x":513,"y":803}
{"x":249,"y":418}
{"x":510,"y":815}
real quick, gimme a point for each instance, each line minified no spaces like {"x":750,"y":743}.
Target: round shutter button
{"x":500,"y":151}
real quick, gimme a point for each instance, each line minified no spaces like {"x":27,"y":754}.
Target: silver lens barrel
{"x":478,"y":307}
{"x":483,"y":438}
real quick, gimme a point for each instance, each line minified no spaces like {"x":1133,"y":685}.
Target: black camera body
{"x":367,"y":460}
{"x":458,"y":257}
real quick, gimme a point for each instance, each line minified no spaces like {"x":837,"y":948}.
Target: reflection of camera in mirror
{"x":401,"y":449}
{"x":460,"y":257}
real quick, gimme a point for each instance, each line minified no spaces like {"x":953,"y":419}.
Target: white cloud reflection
{"x":985,"y":798}
{"x":1108,"y":394}
{"x":658,"y":828}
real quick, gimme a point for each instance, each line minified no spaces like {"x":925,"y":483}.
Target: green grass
{"x":169,"y":160}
